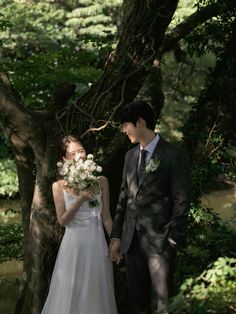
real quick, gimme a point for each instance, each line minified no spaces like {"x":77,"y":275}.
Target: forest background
{"x":69,"y":66}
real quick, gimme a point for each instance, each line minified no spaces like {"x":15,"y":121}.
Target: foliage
{"x":184,"y":9}
{"x":212,"y":35}
{"x":206,"y":266}
{"x":41,"y":47}
{"x":94,"y":22}
{"x":183,"y":81}
{"x":214,"y":291}
{"x":209,"y":131}
{"x":5,"y":148}
{"x":32,"y":27}
{"x":42,"y":26}
{"x":11,"y":242}
{"x":203,"y":174}
{"x":8,"y":178}
{"x":207,"y":239}
{"x":40,"y":77}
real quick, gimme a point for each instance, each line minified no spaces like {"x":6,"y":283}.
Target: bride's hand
{"x":86,"y":194}
{"x":115,"y":250}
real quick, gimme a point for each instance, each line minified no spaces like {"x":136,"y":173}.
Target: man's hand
{"x":115,"y":250}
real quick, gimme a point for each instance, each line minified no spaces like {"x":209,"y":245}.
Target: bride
{"x":82,"y":280}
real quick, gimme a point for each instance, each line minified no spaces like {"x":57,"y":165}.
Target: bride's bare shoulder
{"x":103,"y":181}
{"x":58,"y":184}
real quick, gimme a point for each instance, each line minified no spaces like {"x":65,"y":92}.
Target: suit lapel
{"x":155,"y":155}
{"x":133,"y":174}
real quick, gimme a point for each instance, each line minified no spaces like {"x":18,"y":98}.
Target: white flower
{"x":83,"y":176}
{"x":88,"y":163}
{"x":93,"y":168}
{"x":63,"y":171}
{"x":152,"y":165}
{"x":79,"y":173}
{"x":99,"y":169}
{"x":70,"y":179}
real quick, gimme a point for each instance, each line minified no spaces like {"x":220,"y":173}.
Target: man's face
{"x":131,"y":131}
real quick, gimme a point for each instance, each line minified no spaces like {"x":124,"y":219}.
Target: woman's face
{"x":73,"y":149}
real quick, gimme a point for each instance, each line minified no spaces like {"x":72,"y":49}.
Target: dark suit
{"x":147,"y":216}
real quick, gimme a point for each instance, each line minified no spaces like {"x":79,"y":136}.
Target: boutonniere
{"x":152,"y":166}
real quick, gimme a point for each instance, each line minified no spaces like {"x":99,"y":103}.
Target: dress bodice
{"x":85,"y":211}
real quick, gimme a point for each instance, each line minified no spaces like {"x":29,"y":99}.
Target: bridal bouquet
{"x":80,"y":174}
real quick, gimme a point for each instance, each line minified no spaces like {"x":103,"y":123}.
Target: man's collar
{"x":151,"y":146}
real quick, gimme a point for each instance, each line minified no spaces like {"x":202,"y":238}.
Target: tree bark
{"x":33,"y":139}
{"x":145,"y":24}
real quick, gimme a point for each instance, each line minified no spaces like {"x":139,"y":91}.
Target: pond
{"x":222,"y":201}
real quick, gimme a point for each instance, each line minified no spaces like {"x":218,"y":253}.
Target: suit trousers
{"x":149,"y":275}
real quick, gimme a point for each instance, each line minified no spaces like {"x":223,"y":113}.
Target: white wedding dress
{"x":82,"y":280}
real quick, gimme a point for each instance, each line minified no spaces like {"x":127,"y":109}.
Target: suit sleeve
{"x":121,"y":207}
{"x":180,"y":196}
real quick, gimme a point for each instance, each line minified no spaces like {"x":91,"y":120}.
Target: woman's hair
{"x":138,"y":109}
{"x":64,"y":143}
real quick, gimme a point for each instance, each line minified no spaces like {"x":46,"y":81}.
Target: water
{"x":224,"y":203}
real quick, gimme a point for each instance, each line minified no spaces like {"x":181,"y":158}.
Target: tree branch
{"x":187,"y":26}
{"x":144,"y":26}
{"x":22,"y":122}
{"x":12,"y":110}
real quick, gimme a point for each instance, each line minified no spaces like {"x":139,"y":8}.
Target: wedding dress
{"x":82,"y":280}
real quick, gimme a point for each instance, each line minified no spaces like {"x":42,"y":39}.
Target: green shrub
{"x":207,"y":239}
{"x":214,"y":291}
{"x":11,"y":242}
{"x":8,"y":178}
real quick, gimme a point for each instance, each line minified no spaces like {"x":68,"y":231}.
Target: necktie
{"x":142,"y":164}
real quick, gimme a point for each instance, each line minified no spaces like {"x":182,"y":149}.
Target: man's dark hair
{"x":138,"y":109}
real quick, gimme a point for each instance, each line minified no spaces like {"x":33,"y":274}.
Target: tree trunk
{"x":144,"y":26}
{"x":25,"y":169}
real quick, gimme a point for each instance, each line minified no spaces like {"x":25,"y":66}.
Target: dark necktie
{"x":142,"y":164}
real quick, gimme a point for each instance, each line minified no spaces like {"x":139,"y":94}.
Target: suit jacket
{"x":158,"y":206}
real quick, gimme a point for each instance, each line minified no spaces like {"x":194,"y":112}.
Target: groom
{"x":152,"y":210}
